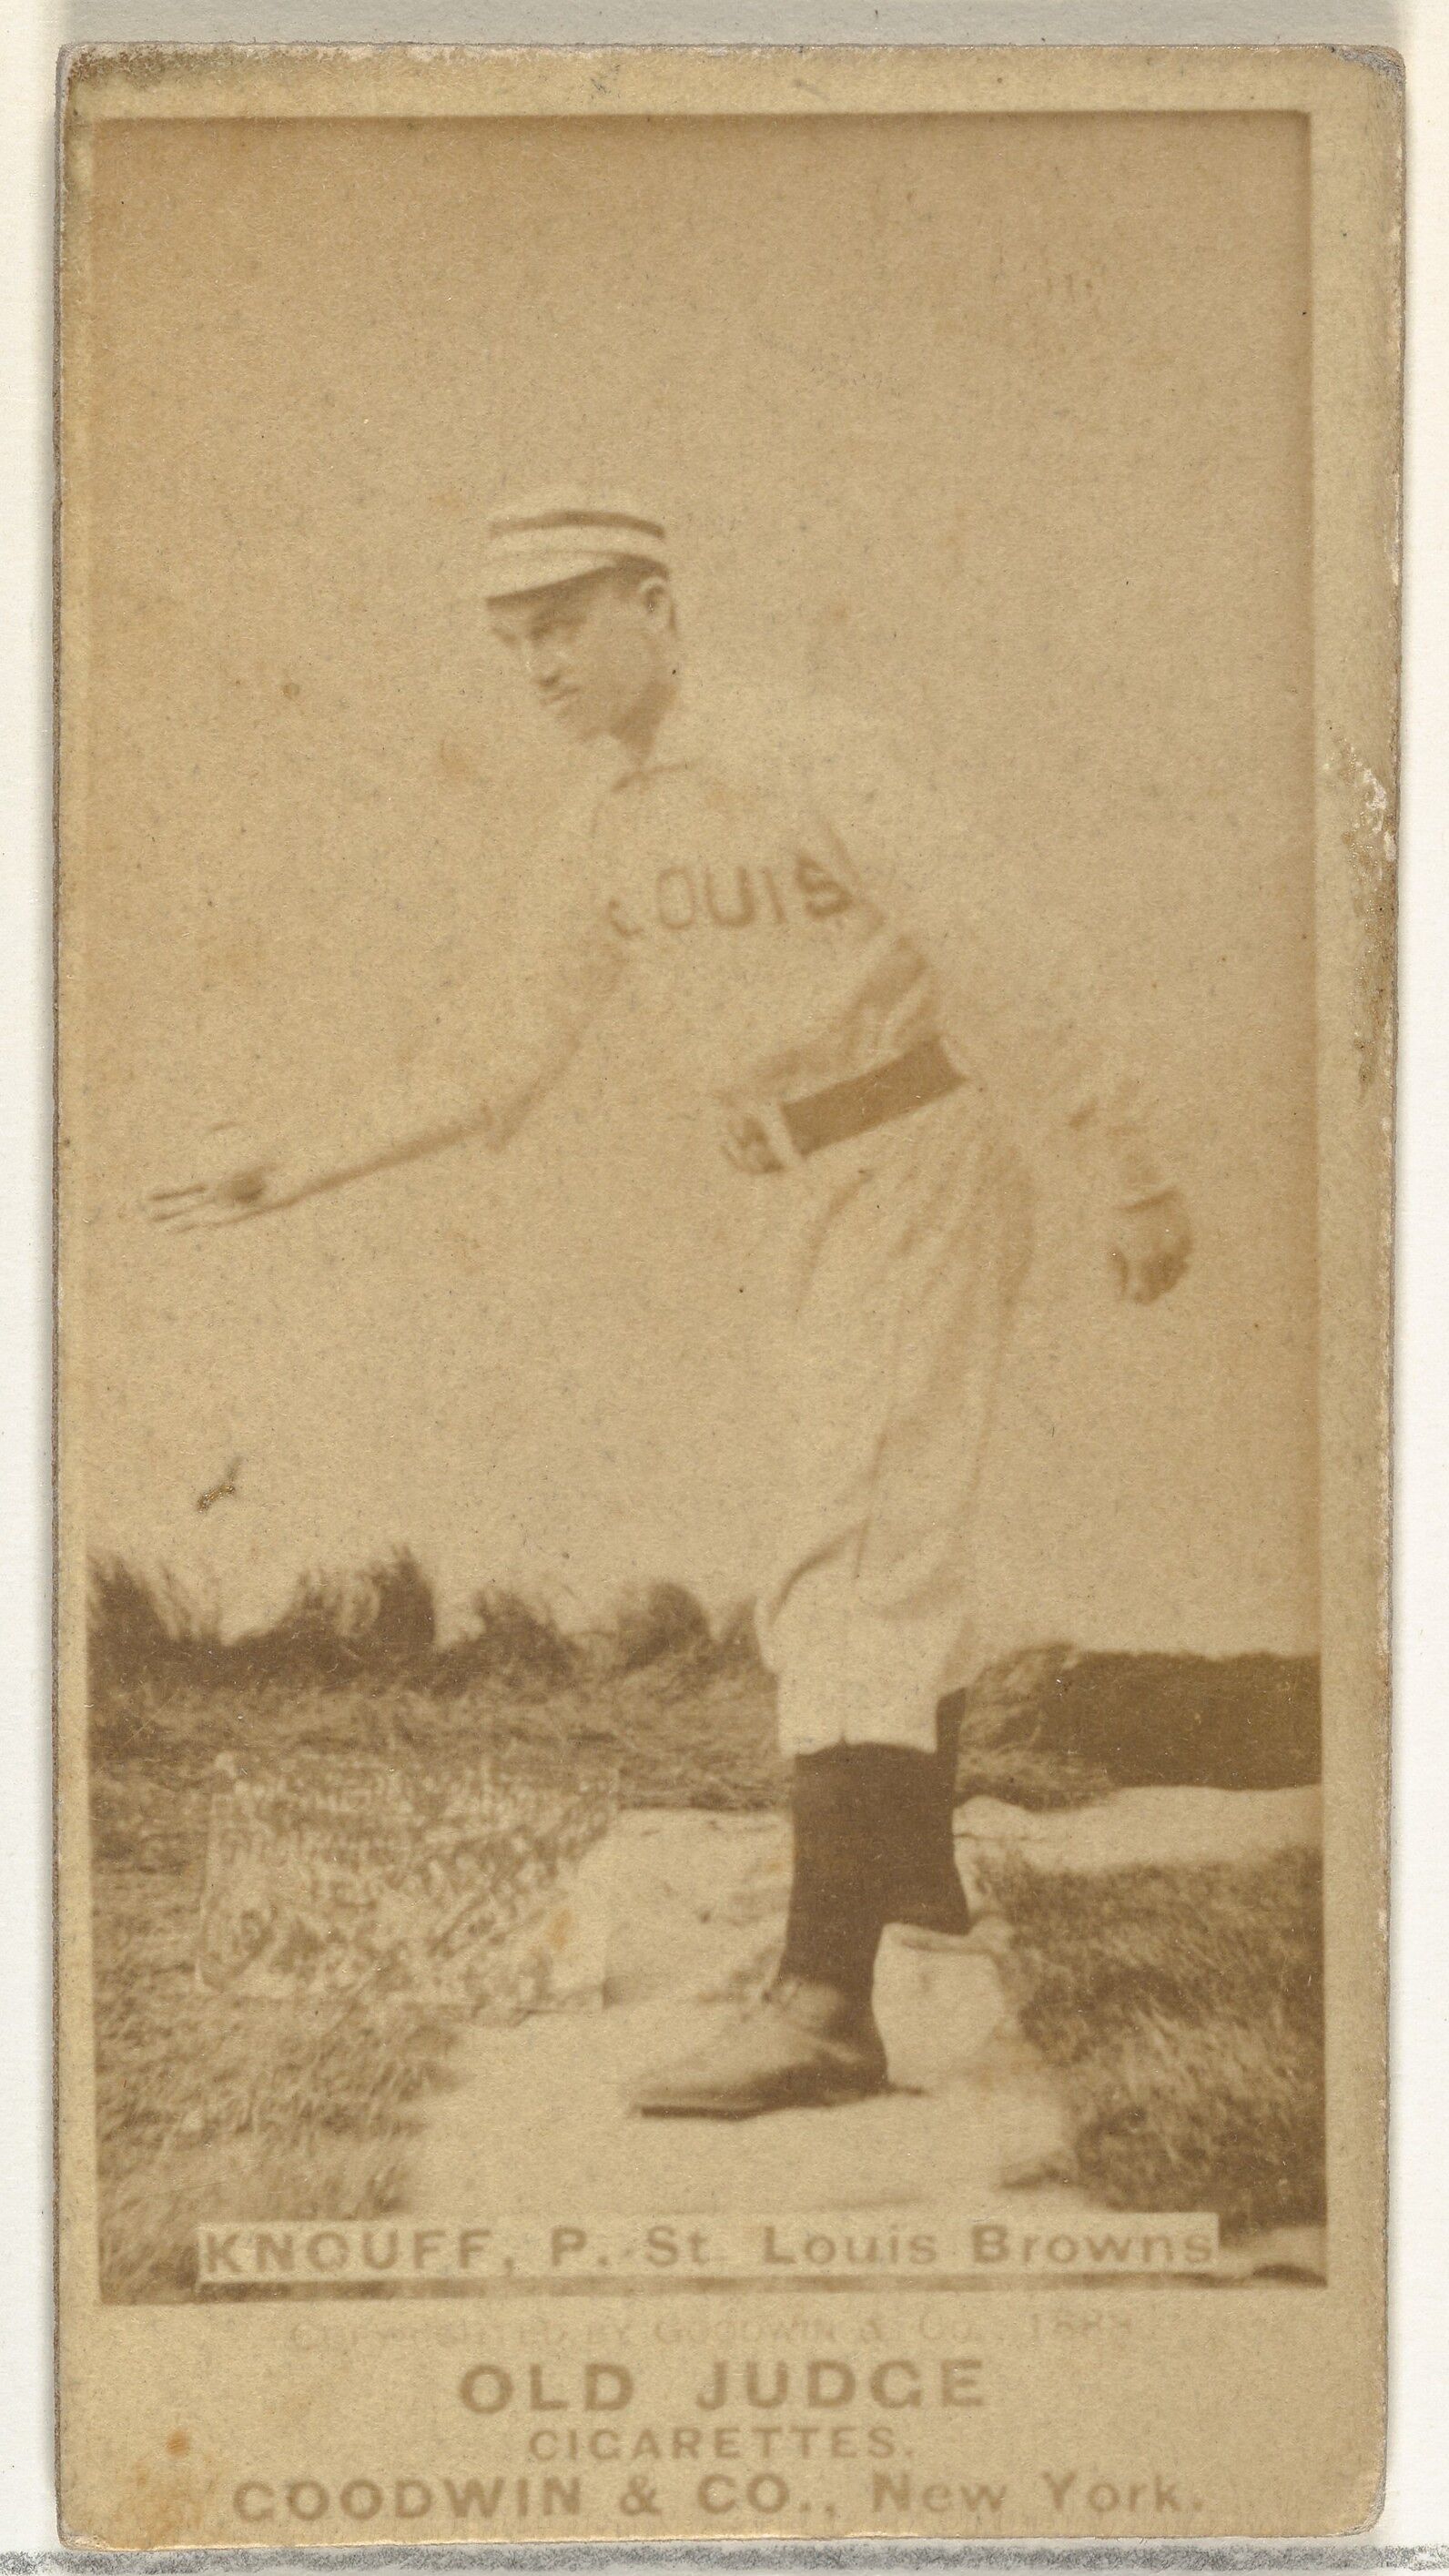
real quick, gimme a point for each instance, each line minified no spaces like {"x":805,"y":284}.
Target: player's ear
{"x":656,"y":600}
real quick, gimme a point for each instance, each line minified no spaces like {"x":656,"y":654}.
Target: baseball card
{"x":727,"y":789}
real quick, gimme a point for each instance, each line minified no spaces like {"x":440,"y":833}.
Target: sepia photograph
{"x":698,"y":1259}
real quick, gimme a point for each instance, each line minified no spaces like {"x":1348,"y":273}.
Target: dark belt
{"x":910,"y":1081}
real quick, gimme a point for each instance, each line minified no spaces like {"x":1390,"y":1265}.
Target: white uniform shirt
{"x":796,"y":905}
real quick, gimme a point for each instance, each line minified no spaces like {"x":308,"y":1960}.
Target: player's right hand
{"x":242,"y":1183}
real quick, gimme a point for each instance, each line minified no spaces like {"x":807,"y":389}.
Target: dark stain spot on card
{"x":456,"y":763}
{"x":291,"y":688}
{"x":222,"y":1491}
{"x":162,"y":2505}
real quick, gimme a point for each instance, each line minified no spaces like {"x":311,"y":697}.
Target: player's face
{"x":593,"y":650}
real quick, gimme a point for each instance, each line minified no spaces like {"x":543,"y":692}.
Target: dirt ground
{"x":1208,"y":2095}
{"x":977,"y":2117}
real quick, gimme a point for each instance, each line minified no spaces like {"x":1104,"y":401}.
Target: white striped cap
{"x":557,"y":536}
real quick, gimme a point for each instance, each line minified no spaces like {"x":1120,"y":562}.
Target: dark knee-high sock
{"x":949,"y":1713}
{"x":872,"y":1834}
{"x":836,"y":1919}
{"x":925,"y":1886}
{"x":936,"y":1885}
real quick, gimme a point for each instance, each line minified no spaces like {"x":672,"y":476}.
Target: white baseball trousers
{"x":885,"y":1286}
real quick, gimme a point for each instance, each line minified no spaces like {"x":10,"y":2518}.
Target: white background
{"x":1417,"y":2507}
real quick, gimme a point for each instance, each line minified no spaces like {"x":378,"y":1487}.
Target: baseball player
{"x":872,"y":1014}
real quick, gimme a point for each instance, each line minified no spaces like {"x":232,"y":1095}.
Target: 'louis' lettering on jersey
{"x":691,"y":897}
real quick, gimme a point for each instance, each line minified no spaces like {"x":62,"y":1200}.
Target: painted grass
{"x":212,"y":2107}
{"x":1180,"y":2008}
{"x":1183,"y":2011}
{"x":356,"y":1662}
{"x":1210,"y":2095}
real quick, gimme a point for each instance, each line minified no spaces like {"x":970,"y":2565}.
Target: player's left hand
{"x":1150,"y":1247}
{"x":236,"y":1180}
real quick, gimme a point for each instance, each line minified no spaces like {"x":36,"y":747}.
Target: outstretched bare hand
{"x":245,"y":1182}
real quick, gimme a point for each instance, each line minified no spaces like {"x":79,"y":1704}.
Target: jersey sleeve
{"x":559,"y":959}
{"x":1021,"y":997}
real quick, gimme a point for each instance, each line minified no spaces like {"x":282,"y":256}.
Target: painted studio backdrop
{"x":1038,"y":504}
